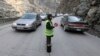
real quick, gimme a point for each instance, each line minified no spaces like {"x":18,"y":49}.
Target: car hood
{"x":25,"y":21}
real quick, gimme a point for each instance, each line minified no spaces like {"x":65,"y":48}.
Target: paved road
{"x":14,"y":43}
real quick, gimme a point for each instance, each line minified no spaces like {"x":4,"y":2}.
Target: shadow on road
{"x":75,"y":32}
{"x":24,"y":31}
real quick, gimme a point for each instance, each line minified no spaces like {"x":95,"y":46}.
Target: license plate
{"x":19,"y":27}
{"x":78,"y":29}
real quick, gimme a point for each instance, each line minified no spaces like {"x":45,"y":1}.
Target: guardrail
{"x":8,"y":20}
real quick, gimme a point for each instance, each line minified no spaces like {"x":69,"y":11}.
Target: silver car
{"x":29,"y":21}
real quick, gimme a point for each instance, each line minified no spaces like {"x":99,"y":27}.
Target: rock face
{"x":89,"y":9}
{"x":11,"y":8}
{"x":46,"y":5}
{"x":6,"y":10}
{"x":22,"y":6}
{"x":82,"y":8}
{"x":67,"y":5}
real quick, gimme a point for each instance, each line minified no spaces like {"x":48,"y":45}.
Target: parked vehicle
{"x":43,"y":17}
{"x":29,"y":21}
{"x":74,"y":23}
{"x":66,"y":14}
{"x":59,"y":14}
{"x":53,"y":15}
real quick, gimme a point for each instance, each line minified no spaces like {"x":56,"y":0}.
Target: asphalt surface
{"x":24,"y":43}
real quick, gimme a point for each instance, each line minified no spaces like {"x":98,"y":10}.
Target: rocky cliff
{"x":46,"y":5}
{"x":10,"y":8}
{"x":88,"y":9}
{"x":67,"y":5}
{"x":6,"y":10}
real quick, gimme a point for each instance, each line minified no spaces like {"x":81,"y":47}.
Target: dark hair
{"x":49,"y":16}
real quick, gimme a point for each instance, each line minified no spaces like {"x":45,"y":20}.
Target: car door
{"x":62,"y":21}
{"x":65,"y":20}
{"x":38,"y":20}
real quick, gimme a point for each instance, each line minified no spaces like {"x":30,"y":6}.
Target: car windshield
{"x":28,"y":16}
{"x":43,"y":15}
{"x":74,"y":19}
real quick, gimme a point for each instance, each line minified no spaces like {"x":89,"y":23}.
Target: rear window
{"x":29,"y":16}
{"x":74,"y":19}
{"x":43,"y":14}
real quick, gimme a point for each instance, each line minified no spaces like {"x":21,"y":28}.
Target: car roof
{"x":30,"y":13}
{"x":72,"y":16}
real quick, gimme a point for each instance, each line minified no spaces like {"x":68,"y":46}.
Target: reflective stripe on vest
{"x":47,"y":31}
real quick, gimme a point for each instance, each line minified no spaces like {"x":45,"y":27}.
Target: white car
{"x":66,"y":14}
{"x":43,"y":16}
{"x":59,"y":14}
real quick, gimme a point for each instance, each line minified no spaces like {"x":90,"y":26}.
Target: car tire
{"x":40,"y":24}
{"x":34,"y":28}
{"x":82,"y":31}
{"x":16,"y":30}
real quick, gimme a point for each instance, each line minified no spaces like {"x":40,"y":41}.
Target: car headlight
{"x":28,"y":25}
{"x":14,"y":24}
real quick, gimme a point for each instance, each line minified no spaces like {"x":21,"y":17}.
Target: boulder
{"x":92,"y":11}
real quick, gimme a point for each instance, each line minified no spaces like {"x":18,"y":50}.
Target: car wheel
{"x":34,"y":28}
{"x":40,"y":24}
{"x":81,"y":31}
{"x":16,"y":30}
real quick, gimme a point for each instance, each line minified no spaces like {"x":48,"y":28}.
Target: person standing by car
{"x":49,"y":31}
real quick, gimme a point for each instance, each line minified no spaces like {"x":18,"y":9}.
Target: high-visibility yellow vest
{"x":47,"y":31}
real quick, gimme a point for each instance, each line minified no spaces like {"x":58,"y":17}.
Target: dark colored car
{"x":74,"y":23}
{"x":29,"y":21}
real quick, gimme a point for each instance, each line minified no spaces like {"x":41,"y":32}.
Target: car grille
{"x":21,"y":24}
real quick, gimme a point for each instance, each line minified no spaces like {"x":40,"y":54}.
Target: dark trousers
{"x":48,"y":39}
